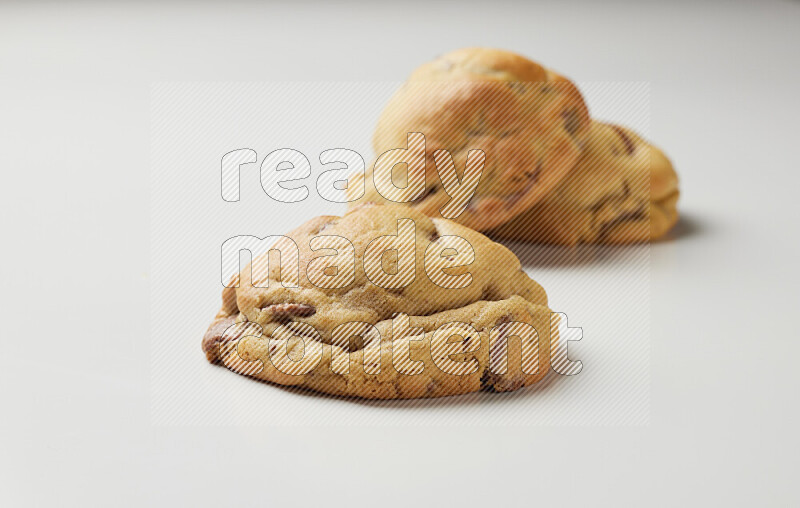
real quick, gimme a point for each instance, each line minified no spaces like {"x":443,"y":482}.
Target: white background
{"x":75,"y":138}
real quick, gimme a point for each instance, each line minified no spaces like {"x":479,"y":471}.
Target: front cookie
{"x":465,"y":318}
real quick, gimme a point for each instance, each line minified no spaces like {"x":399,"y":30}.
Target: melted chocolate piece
{"x":215,"y":336}
{"x":572,"y":121}
{"x":630,"y":147}
{"x":288,"y":311}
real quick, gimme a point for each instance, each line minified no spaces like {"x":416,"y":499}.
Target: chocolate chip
{"x":507,"y":133}
{"x":626,"y":189}
{"x":428,"y":191}
{"x":571,"y":121}
{"x":626,"y":140}
{"x":488,"y":379}
{"x":479,"y":128}
{"x":534,"y":175}
{"x":531,"y":182}
{"x":288,"y":311}
{"x":633,"y":216}
{"x":518,"y":88}
{"x":503,"y":320}
{"x":215,"y":336}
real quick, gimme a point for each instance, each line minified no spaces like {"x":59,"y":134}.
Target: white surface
{"x":75,"y":84}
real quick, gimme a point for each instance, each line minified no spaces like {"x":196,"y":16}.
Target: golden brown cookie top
{"x":494,"y":273}
{"x":528,"y":121}
{"x":480,"y":63}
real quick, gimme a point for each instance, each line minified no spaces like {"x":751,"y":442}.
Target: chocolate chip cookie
{"x":527,"y":120}
{"x":461,"y":317}
{"x":622,"y":190}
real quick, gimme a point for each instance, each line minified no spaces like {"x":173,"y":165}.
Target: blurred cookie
{"x":622,"y":190}
{"x":256,"y":331}
{"x":528,"y":120}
